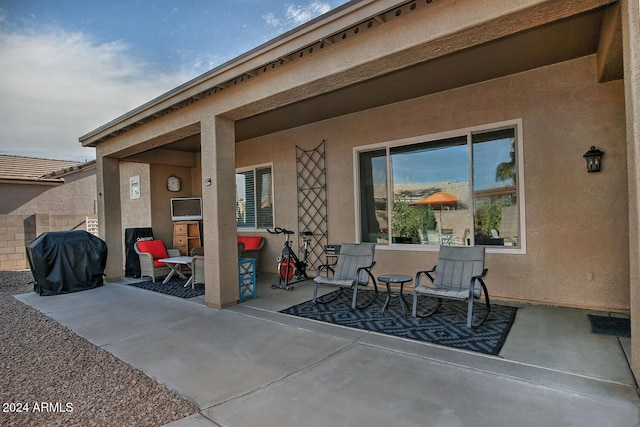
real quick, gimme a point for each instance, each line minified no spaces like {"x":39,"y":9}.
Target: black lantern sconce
{"x":594,"y":159}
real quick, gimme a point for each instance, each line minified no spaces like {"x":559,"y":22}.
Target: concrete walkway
{"x":251,"y":366}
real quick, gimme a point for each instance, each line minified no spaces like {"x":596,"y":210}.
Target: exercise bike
{"x":291,"y":269}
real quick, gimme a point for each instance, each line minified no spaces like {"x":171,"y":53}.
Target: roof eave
{"x":91,"y":164}
{"x":31,"y":181}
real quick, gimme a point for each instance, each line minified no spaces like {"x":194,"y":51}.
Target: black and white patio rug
{"x":613,"y":326}
{"x":446,"y":327}
{"x":175,"y":287}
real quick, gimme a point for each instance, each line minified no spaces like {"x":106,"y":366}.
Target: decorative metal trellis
{"x":312,"y":201}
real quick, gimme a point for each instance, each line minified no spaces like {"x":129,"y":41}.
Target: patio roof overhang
{"x":541,"y":35}
{"x":555,"y":42}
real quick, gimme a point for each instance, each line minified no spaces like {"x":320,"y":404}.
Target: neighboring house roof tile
{"x":20,"y":168}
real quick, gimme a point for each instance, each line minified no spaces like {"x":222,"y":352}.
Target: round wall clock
{"x":173,"y":183}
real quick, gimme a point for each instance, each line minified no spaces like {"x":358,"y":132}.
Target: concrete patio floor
{"x":252,"y":366}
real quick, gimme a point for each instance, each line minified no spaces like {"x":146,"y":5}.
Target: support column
{"x":631,"y":49}
{"x":217,"y":141}
{"x":109,"y":214}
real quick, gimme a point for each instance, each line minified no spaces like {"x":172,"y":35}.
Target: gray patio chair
{"x":199,"y":261}
{"x":459,"y":275}
{"x":197,"y":266}
{"x":352,"y":270}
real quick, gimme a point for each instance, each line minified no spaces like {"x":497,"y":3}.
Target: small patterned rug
{"x":446,"y":327}
{"x":175,"y":287}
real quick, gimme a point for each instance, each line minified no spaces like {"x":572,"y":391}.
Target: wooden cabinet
{"x":186,"y":236}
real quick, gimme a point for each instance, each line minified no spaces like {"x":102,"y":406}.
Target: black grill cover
{"x":66,"y":261}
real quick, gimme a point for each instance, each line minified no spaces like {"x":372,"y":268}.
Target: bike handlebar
{"x":279,"y":230}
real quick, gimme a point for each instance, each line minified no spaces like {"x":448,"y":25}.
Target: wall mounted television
{"x":186,"y":209}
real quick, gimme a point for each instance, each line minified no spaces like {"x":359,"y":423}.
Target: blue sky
{"x":449,"y":164}
{"x":70,"y":66}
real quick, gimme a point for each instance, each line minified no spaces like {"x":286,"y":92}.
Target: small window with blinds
{"x":254,"y":197}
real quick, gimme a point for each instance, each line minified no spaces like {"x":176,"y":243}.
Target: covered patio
{"x":377,"y":79}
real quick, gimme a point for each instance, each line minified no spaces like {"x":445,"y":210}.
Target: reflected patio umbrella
{"x":440,"y":199}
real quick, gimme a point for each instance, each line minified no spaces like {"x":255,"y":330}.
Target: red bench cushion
{"x":250,"y":242}
{"x":154,"y":247}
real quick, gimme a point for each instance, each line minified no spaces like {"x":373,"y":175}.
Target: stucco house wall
{"x":570,"y":214}
{"x":76,"y":195}
{"x":136,"y":212}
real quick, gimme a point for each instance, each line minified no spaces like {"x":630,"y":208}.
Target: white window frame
{"x":273,"y":209}
{"x":515,"y":123}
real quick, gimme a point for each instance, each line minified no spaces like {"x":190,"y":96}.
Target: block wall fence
{"x":16,"y":231}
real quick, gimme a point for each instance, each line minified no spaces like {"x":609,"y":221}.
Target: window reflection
{"x":431,"y":192}
{"x":431,"y":198}
{"x":373,"y":197}
{"x":496,"y":215}
{"x":245,"y":200}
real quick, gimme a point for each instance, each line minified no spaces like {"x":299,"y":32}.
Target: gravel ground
{"x":64,"y":380}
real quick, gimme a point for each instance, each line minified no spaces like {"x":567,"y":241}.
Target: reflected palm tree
{"x":506,"y":171}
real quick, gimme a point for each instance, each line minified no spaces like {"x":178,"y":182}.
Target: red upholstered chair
{"x":149,"y":252}
{"x":252,"y":246}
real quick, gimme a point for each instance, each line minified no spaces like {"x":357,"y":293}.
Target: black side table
{"x":395,"y":278}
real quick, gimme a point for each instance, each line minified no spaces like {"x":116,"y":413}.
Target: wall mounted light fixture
{"x":594,"y":159}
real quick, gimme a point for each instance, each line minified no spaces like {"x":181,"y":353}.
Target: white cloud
{"x":57,"y":86}
{"x":272,"y":20}
{"x":295,"y":15}
{"x":301,"y":14}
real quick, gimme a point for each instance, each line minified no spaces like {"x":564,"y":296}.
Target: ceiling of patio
{"x":556,"y":42}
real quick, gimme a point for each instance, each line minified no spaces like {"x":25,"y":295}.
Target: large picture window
{"x":457,"y":190}
{"x":254,"y":198}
